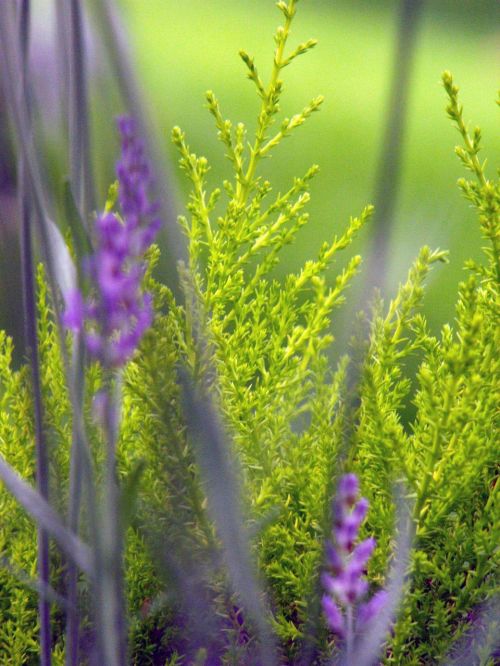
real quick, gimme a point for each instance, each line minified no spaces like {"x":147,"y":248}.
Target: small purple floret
{"x":119,"y":313}
{"x":333,"y":616}
{"x":348,"y":489}
{"x":344,"y":581}
{"x":75,"y":310}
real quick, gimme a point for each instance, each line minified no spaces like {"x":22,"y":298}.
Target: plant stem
{"x":114,"y":38}
{"x":75,"y":493}
{"x":113,"y":632}
{"x":30,"y":321}
{"x":242,"y":189}
{"x":79,"y":131}
{"x":391,"y":154}
{"x":349,"y":634}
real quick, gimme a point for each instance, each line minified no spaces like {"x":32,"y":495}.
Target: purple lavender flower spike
{"x":134,"y":175}
{"x":344,"y":581}
{"x":119,"y":313}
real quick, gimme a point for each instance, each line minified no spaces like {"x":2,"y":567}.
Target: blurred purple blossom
{"x":343,"y":581}
{"x":118,"y":313}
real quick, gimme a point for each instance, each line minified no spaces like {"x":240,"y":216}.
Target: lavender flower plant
{"x":344,"y":581}
{"x":119,"y":313}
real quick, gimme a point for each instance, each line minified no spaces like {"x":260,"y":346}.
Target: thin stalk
{"x":48,"y":237}
{"x":62,"y":46}
{"x":42,"y":463}
{"x":31,"y":341}
{"x":242,"y":189}
{"x":70,"y":18}
{"x":218,"y":474}
{"x":75,"y":493}
{"x":43,"y":514}
{"x":44,"y":591}
{"x":79,"y":130}
{"x":114,"y":38}
{"x":349,"y":633}
{"x":390,"y":160}
{"x":113,"y":606}
{"x":231,"y":529}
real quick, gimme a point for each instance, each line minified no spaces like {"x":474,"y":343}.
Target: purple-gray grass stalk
{"x":390,"y":159}
{"x":228,"y":518}
{"x":109,"y":23}
{"x":73,"y":63}
{"x":61,"y":275}
{"x":203,"y":419}
{"x":79,"y":130}
{"x":31,"y":344}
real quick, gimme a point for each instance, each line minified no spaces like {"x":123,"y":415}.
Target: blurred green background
{"x":182,"y":48}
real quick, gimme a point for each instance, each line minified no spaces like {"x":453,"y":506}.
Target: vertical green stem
{"x":242,"y":189}
{"x":439,"y":427}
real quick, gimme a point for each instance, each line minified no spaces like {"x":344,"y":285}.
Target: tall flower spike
{"x":343,"y":581}
{"x":118,"y":313}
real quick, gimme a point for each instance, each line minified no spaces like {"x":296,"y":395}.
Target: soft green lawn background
{"x":185,"y":47}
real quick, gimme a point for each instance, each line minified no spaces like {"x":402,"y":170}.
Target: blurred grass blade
{"x":64,"y":268}
{"x":482,"y":642}
{"x":389,"y":168}
{"x":79,"y":126}
{"x":371,"y":643}
{"x":31,"y":342}
{"x":60,"y":267}
{"x":220,"y":484}
{"x":44,"y":590}
{"x":185,"y":578}
{"x":80,"y":239}
{"x":80,"y":469}
{"x":45,"y":516}
{"x":114,"y":38}
{"x":72,"y":56}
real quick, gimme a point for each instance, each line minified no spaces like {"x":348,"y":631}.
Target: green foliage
{"x":261,"y":346}
{"x":452,"y":452}
{"x":448,"y":452}
{"x":18,"y":639}
{"x":267,"y":340}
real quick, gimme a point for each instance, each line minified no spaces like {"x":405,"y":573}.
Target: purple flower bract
{"x":118,"y":313}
